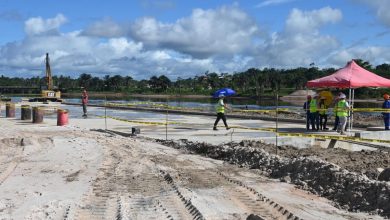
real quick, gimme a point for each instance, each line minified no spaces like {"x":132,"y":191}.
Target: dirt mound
{"x":302,"y":92}
{"x":350,"y":190}
{"x":362,"y":162}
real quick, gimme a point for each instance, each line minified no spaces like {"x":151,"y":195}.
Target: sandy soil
{"x":49,"y":172}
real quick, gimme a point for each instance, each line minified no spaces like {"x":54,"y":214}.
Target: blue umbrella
{"x":225,"y":92}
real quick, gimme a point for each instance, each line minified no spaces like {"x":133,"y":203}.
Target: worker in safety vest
{"x":386,"y":115}
{"x":84,"y":102}
{"x":342,"y":113}
{"x":220,"y":109}
{"x":314,"y":116}
{"x":336,"y":118}
{"x":323,"y":110}
{"x":307,"y":110}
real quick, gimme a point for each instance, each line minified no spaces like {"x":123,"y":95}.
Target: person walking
{"x":84,"y":102}
{"x":342,"y":113}
{"x":307,"y":109}
{"x":313,"y":108}
{"x":323,"y":113}
{"x":220,"y":108}
{"x":386,"y":115}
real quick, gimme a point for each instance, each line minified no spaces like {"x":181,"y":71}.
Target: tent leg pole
{"x":307,"y":107}
{"x":352,"y":104}
{"x":349,"y":118}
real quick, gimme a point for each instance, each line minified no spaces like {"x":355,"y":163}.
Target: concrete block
{"x":381,"y":135}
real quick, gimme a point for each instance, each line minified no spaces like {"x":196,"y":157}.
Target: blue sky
{"x":142,"y":38}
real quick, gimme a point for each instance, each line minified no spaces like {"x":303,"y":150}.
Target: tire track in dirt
{"x":266,"y":204}
{"x":11,"y":148}
{"x":248,"y":199}
{"x":185,"y":177}
{"x":135,"y":183}
{"x":100,"y":203}
{"x":131,"y":187}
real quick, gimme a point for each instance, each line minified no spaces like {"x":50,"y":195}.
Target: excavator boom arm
{"x":49,"y":79}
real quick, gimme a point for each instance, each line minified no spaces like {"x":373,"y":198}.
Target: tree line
{"x":252,"y":82}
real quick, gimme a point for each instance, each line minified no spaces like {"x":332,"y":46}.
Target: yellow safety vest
{"x":342,"y":111}
{"x":220,"y":107}
{"x":313,"y":106}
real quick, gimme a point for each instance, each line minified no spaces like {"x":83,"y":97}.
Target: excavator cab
{"x":51,"y":95}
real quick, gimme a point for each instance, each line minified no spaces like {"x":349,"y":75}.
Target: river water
{"x":205,"y":103}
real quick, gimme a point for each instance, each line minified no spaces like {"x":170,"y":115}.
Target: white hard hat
{"x":221,"y":95}
{"x":342,"y":96}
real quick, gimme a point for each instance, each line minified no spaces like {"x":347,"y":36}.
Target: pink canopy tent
{"x":350,"y":77}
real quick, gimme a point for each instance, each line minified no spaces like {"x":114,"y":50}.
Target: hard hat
{"x":309,"y":96}
{"x":342,"y":96}
{"x":386,"y":96}
{"x":221,"y":95}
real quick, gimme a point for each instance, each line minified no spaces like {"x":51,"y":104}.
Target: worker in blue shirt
{"x":386,"y":115}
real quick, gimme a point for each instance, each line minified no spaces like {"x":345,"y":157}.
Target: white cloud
{"x":74,"y":53}
{"x":381,"y":8}
{"x":37,"y":25}
{"x":300,"y":43}
{"x":272,"y":2}
{"x":307,"y":21}
{"x":378,"y":55}
{"x":226,"y":30}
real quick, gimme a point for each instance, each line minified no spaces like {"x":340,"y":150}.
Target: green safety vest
{"x":313,"y":106}
{"x":220,"y":107}
{"x":342,"y":111}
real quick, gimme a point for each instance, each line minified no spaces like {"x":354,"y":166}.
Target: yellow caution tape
{"x":370,"y":110}
{"x":138,"y":122}
{"x":152,"y":105}
{"x":289,"y":110}
{"x":180,"y":123}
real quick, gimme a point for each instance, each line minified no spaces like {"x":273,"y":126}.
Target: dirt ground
{"x":49,"y":172}
{"x":365,"y":162}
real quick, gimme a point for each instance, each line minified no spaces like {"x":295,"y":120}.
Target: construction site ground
{"x":83,"y":171}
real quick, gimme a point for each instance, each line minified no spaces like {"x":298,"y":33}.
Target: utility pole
{"x":277,"y":121}
{"x":166,"y":117}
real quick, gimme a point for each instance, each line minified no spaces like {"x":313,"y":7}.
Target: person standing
{"x":323,"y":113}
{"x":342,"y":113}
{"x":386,"y":115}
{"x":336,"y":118}
{"x":220,"y":108}
{"x":313,"y":108}
{"x":84,"y":102}
{"x":306,"y":108}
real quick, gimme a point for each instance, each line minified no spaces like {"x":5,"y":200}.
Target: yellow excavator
{"x":48,"y":94}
